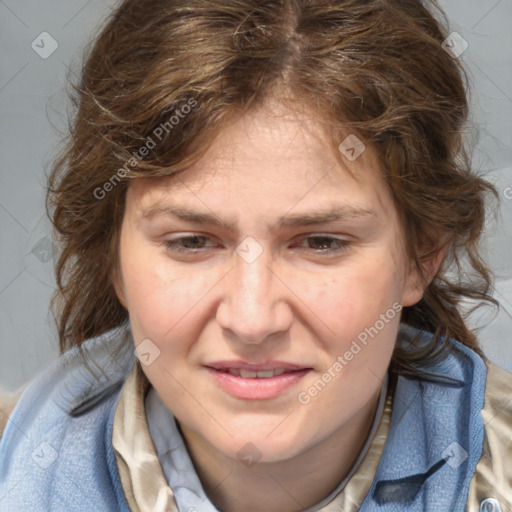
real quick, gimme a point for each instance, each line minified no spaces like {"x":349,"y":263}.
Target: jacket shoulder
{"x":75,"y":380}
{"x":58,"y":429}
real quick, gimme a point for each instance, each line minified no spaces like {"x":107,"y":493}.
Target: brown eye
{"x":323,"y":244}
{"x":320,"y":243}
{"x":188,"y":243}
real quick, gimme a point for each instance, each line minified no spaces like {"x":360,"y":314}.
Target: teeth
{"x":265,"y":374}
{"x":248,"y":374}
{"x":251,"y":374}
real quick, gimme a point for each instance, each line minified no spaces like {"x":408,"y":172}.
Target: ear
{"x":421,"y":275}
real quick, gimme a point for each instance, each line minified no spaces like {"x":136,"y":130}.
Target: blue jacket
{"x":56,"y":452}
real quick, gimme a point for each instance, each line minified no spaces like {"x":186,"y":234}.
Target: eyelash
{"x":341,"y":244}
{"x":174,"y":245}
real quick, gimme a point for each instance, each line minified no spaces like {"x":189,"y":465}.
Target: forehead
{"x":275,"y":156}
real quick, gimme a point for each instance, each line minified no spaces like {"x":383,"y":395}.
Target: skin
{"x":296,"y":302}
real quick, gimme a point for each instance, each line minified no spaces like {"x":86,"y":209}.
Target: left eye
{"x":323,"y":244}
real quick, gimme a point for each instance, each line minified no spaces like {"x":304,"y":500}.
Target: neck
{"x":288,"y":485}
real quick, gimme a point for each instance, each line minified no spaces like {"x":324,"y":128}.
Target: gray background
{"x":33,"y":107}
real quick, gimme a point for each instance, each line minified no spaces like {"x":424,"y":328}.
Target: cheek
{"x":356,"y":297}
{"x":362,"y":310}
{"x":161,"y":298}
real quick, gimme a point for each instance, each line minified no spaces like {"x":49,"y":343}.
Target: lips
{"x":256,"y":382}
{"x":255,"y":371}
{"x":251,"y":374}
{"x":270,"y":365}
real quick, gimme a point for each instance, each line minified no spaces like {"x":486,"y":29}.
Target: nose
{"x":255,"y":302}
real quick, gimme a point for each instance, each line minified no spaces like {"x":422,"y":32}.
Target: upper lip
{"x":242,"y":365}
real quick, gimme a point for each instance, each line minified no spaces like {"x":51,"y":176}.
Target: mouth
{"x":256,"y":382}
{"x":255,"y":371}
{"x":251,"y":374}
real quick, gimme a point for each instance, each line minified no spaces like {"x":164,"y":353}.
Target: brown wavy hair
{"x":374,"y":67}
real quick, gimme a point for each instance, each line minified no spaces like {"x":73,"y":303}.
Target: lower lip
{"x":257,"y":388}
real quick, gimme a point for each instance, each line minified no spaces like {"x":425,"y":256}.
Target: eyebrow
{"x":335,"y":213}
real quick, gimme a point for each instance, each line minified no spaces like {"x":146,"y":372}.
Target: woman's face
{"x":269,"y":255}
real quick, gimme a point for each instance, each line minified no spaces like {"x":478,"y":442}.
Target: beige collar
{"x":142,"y":477}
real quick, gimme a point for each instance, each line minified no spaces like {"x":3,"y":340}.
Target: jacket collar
{"x":436,"y":436}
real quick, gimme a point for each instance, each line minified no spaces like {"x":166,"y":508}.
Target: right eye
{"x":192,"y":243}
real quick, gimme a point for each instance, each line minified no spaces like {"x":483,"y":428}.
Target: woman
{"x":270,"y":203}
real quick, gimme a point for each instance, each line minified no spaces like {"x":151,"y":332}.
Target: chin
{"x":262,"y":449}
